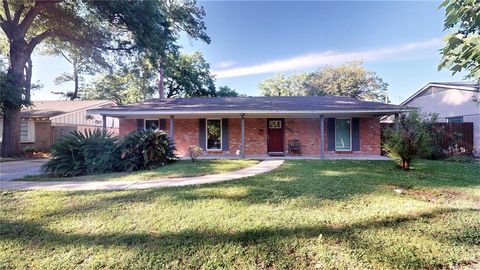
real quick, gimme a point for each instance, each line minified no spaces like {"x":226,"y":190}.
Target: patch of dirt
{"x":443,"y":196}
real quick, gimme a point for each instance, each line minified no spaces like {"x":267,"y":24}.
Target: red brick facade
{"x":306,"y":130}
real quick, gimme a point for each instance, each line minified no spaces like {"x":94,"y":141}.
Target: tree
{"x":130,"y":84}
{"x":143,"y":27}
{"x":349,"y":79}
{"x":408,"y":140}
{"x":462,"y":46}
{"x":83,"y":63}
{"x":225,"y":91}
{"x":283,"y":85}
{"x":188,"y":76}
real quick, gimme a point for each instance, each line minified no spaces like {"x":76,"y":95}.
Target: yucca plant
{"x":84,"y":153}
{"x":146,"y":149}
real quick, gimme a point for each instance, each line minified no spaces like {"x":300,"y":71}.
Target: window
{"x":214,"y":134}
{"x":343,"y":139}
{"x":456,"y":119}
{"x":152,"y":124}
{"x":27,"y":131}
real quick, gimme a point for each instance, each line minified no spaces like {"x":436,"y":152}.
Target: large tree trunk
{"x":76,"y":86}
{"x":19,"y":55}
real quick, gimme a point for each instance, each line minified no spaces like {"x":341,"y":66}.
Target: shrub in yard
{"x":83,"y":153}
{"x":195,"y":151}
{"x":410,"y":140}
{"x":146,"y":149}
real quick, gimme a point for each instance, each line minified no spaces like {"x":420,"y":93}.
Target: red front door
{"x":275,"y":136}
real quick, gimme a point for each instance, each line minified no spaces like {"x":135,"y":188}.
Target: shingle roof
{"x":51,"y":108}
{"x":239,"y":104}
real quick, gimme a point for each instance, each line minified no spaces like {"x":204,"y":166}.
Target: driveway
{"x":17,"y":169}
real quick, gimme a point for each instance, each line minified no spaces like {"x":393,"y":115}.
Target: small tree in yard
{"x":195,"y":151}
{"x":408,"y":140}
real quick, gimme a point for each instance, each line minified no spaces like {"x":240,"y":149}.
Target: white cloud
{"x":328,"y":57}
{"x":226,"y":64}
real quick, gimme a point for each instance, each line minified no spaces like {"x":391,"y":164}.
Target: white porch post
{"x":397,"y":121}
{"x":104,"y":123}
{"x":171,"y":127}
{"x":243,"y":135}
{"x":322,"y":137}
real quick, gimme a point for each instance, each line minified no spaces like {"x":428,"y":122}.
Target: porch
{"x":296,"y":157}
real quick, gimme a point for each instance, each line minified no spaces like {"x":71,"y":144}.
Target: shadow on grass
{"x":35,"y":235}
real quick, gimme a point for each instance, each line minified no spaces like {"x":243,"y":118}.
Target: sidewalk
{"x":262,"y":167}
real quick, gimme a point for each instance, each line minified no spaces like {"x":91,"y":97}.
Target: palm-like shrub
{"x":146,"y":149}
{"x":409,"y":140}
{"x":83,"y":153}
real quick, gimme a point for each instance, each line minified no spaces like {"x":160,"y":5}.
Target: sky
{"x":251,"y":41}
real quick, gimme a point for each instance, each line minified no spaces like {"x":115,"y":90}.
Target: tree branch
{"x":39,"y":38}
{"x":7,"y":10}
{"x":18,"y":13}
{"x":33,"y":12}
{"x":66,"y":58}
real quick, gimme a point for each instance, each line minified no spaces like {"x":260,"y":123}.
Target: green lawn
{"x":306,"y":214}
{"x":181,"y":168}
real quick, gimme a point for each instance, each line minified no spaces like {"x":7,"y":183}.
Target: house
{"x":260,"y":126}
{"x":453,"y":102}
{"x":45,"y":122}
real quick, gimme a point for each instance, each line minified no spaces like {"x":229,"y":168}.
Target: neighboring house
{"x":260,"y":126}
{"x":45,"y":122}
{"x":453,"y":102}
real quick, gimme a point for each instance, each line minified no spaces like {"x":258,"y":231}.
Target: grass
{"x":306,"y":214}
{"x":181,"y":168}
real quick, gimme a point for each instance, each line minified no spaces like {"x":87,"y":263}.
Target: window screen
{"x":456,"y":119}
{"x":24,"y":131}
{"x":152,"y":124}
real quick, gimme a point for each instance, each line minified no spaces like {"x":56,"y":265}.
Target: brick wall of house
{"x":306,"y":130}
{"x":43,"y":136}
{"x":126,"y":125}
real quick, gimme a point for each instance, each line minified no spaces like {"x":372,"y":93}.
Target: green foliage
{"x":78,"y":153}
{"x":350,"y":79}
{"x":225,"y":91}
{"x":194,"y":151}
{"x":462,"y":46}
{"x":282,"y":85}
{"x":409,"y":140}
{"x":146,"y":149}
{"x":129,"y":84}
{"x":188,"y":76}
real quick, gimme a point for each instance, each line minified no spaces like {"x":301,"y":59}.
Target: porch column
{"x":243,"y":135}
{"x":170,"y":132}
{"x":104,"y":123}
{"x":322,"y":137}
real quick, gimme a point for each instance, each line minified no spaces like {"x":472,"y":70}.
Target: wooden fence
{"x":453,"y":133}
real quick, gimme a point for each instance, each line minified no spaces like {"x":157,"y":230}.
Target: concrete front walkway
{"x":262,"y":167}
{"x":17,"y":169}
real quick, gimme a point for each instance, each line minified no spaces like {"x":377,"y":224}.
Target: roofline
{"x":161,"y":112}
{"x":463,"y":88}
{"x":85,"y":108}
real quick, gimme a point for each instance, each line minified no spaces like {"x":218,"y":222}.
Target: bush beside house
{"x":95,"y":152}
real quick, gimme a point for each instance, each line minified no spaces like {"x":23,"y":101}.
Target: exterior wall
{"x":185,"y":134}
{"x":126,"y":125}
{"x":306,"y":130}
{"x":450,"y":103}
{"x":43,"y":136}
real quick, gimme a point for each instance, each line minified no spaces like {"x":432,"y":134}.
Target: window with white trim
{"x":343,"y":134}
{"x":27,"y":131}
{"x":214,"y":134}
{"x":152,"y":124}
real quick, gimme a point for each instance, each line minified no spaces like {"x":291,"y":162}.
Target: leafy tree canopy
{"x":225,"y":91}
{"x":350,"y":79}
{"x":283,"y":85}
{"x":462,"y":46}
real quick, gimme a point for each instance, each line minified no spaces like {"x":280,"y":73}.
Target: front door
{"x":275,"y":136}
